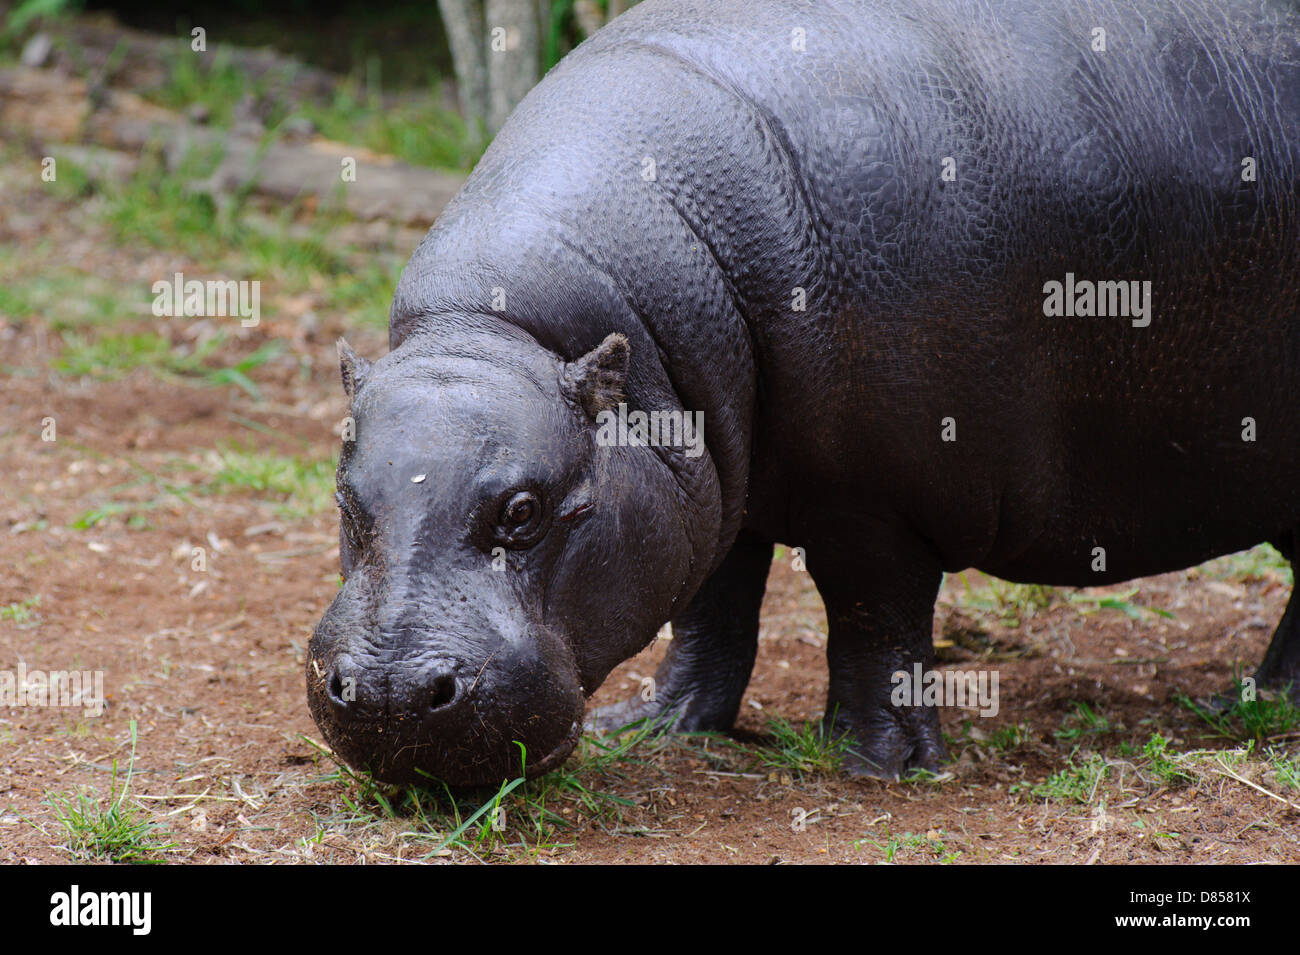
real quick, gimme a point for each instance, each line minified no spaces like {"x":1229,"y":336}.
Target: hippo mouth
{"x":558,"y":755}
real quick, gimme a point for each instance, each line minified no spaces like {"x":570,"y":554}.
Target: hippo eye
{"x":521,"y":520}
{"x":519,"y":512}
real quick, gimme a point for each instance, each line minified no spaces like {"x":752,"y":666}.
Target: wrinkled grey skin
{"x":563,"y":279}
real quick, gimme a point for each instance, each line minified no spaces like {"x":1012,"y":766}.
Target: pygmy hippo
{"x":912,"y":287}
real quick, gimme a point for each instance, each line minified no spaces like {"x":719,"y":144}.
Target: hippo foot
{"x":891,"y":742}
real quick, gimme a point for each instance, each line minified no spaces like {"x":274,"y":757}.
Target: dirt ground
{"x":98,"y":530}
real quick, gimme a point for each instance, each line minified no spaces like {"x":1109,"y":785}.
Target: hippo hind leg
{"x":700,"y":684}
{"x":1281,"y":663}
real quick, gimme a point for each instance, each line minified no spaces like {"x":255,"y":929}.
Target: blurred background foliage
{"x":401,"y":50}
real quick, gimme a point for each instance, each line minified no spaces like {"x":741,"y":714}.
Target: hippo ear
{"x":597,"y":379}
{"x":352,"y":367}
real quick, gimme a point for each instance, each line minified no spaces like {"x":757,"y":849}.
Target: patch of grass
{"x":300,"y":486}
{"x":967,"y":735}
{"x":27,"y":11}
{"x":290,"y":250}
{"x":931,"y":841}
{"x":804,"y":751}
{"x":599,"y":759}
{"x":1077,"y":782}
{"x":121,"y":833}
{"x":1165,"y":764}
{"x":415,"y":128}
{"x":1083,"y":722}
{"x":892,"y":844}
{"x":890,"y":847}
{"x":926,"y":777}
{"x":237,"y":373}
{"x":491,"y":831}
{"x":134,"y":508}
{"x":1231,"y":759}
{"x":1254,"y":714}
{"x":236,"y":241}
{"x":131,"y":511}
{"x":1009,"y":602}
{"x":66,"y":298}
{"x":1277,"y":768}
{"x":1259,"y":563}
{"x":113,"y":355}
{"x":530,"y":815}
{"x":304,"y":485}
{"x":158,"y":207}
{"x":1087,"y":603}
{"x":71,"y":182}
{"x":20,"y":611}
{"x":1286,"y":768}
{"x":215,"y":82}
{"x":1006,"y":738}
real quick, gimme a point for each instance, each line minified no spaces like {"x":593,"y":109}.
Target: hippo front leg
{"x":880,"y":608}
{"x":700,"y":684}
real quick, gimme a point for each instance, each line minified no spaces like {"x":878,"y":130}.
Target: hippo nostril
{"x":341,"y":688}
{"x":444,"y":692}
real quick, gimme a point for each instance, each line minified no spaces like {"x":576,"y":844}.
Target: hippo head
{"x":494,"y":556}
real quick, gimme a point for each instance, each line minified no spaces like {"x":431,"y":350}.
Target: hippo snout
{"x":436,"y":708}
{"x":357,"y":695}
